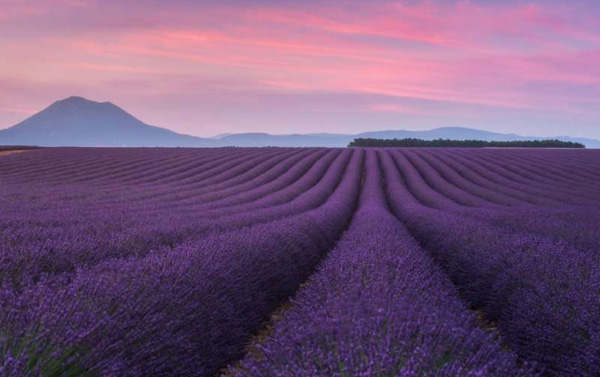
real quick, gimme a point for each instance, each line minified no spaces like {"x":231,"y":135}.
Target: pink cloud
{"x":322,"y":63}
{"x":496,"y":54}
{"x":391,"y":108}
{"x":28,"y":9}
{"x":18,"y":110}
{"x":461,"y":25}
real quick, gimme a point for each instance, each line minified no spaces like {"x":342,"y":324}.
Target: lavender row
{"x":574,"y":225}
{"x":516,"y":170}
{"x":470,"y":197}
{"x":378,"y":306}
{"x":79,"y":161}
{"x":128,"y":173}
{"x":289,"y":185}
{"x":467,"y":196}
{"x":558,"y":168}
{"x":93,"y":204}
{"x":541,"y":294}
{"x":188,"y":311}
{"x":260,"y":182}
{"x":156,"y":196}
{"x":469,"y":182}
{"x":30,"y":250}
{"x":492,"y":180}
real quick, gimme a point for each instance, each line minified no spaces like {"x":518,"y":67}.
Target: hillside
{"x":76,"y":121}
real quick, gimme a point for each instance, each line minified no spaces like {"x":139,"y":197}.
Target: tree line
{"x":447,"y":143}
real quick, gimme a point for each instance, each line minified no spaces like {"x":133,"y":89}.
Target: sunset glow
{"x":210,"y":67}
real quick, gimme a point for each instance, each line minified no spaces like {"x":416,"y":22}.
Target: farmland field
{"x":300,"y":262}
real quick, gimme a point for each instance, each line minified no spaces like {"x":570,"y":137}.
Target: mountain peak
{"x":77,"y":101}
{"x":78,"y":121}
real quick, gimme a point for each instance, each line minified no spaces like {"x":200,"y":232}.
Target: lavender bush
{"x":421,"y":262}
{"x":378,"y":306}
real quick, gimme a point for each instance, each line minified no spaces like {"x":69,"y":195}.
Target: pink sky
{"x":210,"y":67}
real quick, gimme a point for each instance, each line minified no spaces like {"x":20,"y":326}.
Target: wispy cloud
{"x":391,"y":108}
{"x":535,"y":57}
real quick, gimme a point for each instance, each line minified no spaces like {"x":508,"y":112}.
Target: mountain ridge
{"x":77,"y":121}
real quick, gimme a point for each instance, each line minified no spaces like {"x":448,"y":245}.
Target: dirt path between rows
{"x":6,"y":153}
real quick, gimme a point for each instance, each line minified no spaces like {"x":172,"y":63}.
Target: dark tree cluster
{"x":447,"y":143}
{"x":15,"y":147}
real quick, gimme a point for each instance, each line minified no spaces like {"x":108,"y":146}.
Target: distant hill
{"x":76,"y":121}
{"x":342,"y":140}
{"x":463,"y":133}
{"x":449,"y":143}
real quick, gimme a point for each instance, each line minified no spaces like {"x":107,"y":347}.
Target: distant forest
{"x":16,"y":147}
{"x":447,"y":143}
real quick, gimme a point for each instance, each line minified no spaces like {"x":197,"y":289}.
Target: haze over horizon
{"x":210,"y":67}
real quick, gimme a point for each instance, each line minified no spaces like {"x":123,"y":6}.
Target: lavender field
{"x":248,"y":262}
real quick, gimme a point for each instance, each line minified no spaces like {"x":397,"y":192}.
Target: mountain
{"x":76,"y":121}
{"x":293,"y":140}
{"x":341,"y":140}
{"x":463,"y":133}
